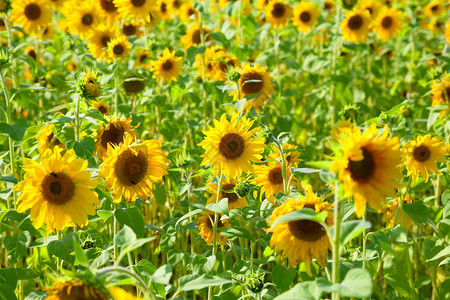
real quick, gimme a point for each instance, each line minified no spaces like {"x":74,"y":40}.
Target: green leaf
{"x":304,"y":170}
{"x":174,"y":257}
{"x":85,"y":148}
{"x":17,"y":246}
{"x":220,"y":208}
{"x":417,"y":211}
{"x":159,"y":191}
{"x":308,"y":290}
{"x":233,"y":231}
{"x":8,"y":276}
{"x":186,"y":216}
{"x":80,"y":256}
{"x":125,"y":236}
{"x":282,"y":277}
{"x":8,"y":178}
{"x":220,"y":37}
{"x":443,"y":253}
{"x":104,"y":214}
{"x":15,"y":131}
{"x":132,"y":217}
{"x":162,"y":275}
{"x":36,"y":295}
{"x":195,"y":282}
{"x":357,"y":283}
{"x":302,"y":214}
{"x":64,"y":247}
{"x":7,"y":292}
{"x":351,"y":229}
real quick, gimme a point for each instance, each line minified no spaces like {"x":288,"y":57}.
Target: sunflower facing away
{"x":32,"y":15}
{"x":74,"y":290}
{"x":167,"y":67}
{"x":229,"y":146}
{"x":137,"y":9}
{"x":205,"y":225}
{"x":82,"y":18}
{"x":301,"y":240}
{"x":305,"y":16}
{"x":388,"y":23}
{"x":118,"y":48}
{"x":278,"y":13}
{"x":421,"y":155}
{"x":234,"y":201}
{"x":440,"y":92}
{"x":89,"y":86}
{"x":355,"y":26}
{"x":58,"y":190}
{"x":48,"y":140}
{"x":130,"y":169}
{"x":368,"y":167}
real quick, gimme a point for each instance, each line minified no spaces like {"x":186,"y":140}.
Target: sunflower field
{"x":224,"y":149}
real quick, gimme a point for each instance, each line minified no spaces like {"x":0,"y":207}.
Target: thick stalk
{"x":77,"y":118}
{"x":116,"y":89}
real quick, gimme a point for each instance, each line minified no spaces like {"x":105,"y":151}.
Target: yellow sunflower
{"x":32,"y":15}
{"x":234,"y":201}
{"x":342,"y":127}
{"x":31,"y":52}
{"x":355,"y":26}
{"x":278,"y":13}
{"x":187,"y":11}
{"x":440,"y":92}
{"x":118,"y":48}
{"x":165,"y":9}
{"x":305,"y":16}
{"x":137,"y":9}
{"x":142,"y":59}
{"x":89,"y":85}
{"x":193,"y":36}
{"x":388,"y":23}
{"x":74,"y":290}
{"x":48,"y":140}
{"x":120,"y":294}
{"x":58,"y":190}
{"x":108,"y":10}
{"x":113,"y":133}
{"x":434,"y":8}
{"x":101,"y":106}
{"x":132,"y":28}
{"x":229,"y":146}
{"x":421,"y":155}
{"x":292,"y":157}
{"x":373,"y":6}
{"x":82,"y":18}
{"x":254,"y":80}
{"x":167,"y":67}
{"x":98,"y":40}
{"x":302,"y":240}
{"x":217,"y":61}
{"x":447,"y":32}
{"x":329,"y":6}
{"x":390,"y":210}
{"x":153,"y":18}
{"x":205,"y":225}
{"x":368,"y":167}
{"x":130,"y":169}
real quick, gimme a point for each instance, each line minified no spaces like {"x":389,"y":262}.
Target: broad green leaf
{"x":220,"y":208}
{"x":305,"y":170}
{"x":302,"y":214}
{"x":8,"y":178}
{"x":351,"y":229}
{"x":15,"y":131}
{"x":132,"y":217}
{"x":282,"y":277}
{"x":196,"y":282}
{"x":80,"y":256}
{"x":85,"y":148}
{"x":305,"y":290}
{"x":233,"y":231}
{"x":445,"y":252}
{"x":104,"y":214}
{"x":162,"y":275}
{"x":159,"y":191}
{"x":417,"y":211}
{"x":7,"y":292}
{"x":8,"y":276}
{"x":357,"y":283}
{"x":186,"y":216}
{"x":64,"y":247}
{"x":36,"y":295}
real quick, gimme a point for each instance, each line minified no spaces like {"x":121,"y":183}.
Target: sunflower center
{"x":176,"y":4}
{"x":231,"y":146}
{"x":191,"y":11}
{"x":386,"y":22}
{"x":133,"y":86}
{"x":114,"y":135}
{"x":57,"y":188}
{"x":163,"y":7}
{"x":370,"y":10}
{"x":306,"y":230}
{"x":102,"y":109}
{"x":129,"y":29}
{"x":131,"y":168}
{"x":278,"y":10}
{"x":32,"y":11}
{"x":276,"y":176}
{"x":434,"y":8}
{"x":252,"y":83}
{"x":105,"y":40}
{"x":108,"y":5}
{"x":421,"y":153}
{"x":118,"y":49}
{"x":355,"y":22}
{"x":220,"y":224}
{"x":232,"y":197}
{"x":327,"y":6}
{"x":32,"y":54}
{"x":305,"y":17}
{"x":50,"y":138}
{"x":362,"y":170}
{"x":167,"y":65}
{"x":87,"y":19}
{"x":143,"y":57}
{"x":196,"y":38}
{"x":447,"y":91}
{"x":137,"y":3}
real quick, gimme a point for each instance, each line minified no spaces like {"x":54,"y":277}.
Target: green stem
{"x":58,"y":271}
{"x":77,"y":118}
{"x":116,"y":88}
{"x":336,"y":245}
{"x":277,"y":60}
{"x":364,"y":241}
{"x":116,"y":247}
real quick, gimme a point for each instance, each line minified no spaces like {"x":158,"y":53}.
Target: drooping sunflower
{"x":292,"y":156}
{"x":58,"y":190}
{"x":74,"y":290}
{"x":167,"y":67}
{"x":302,"y":240}
{"x":205,"y":225}
{"x":278,"y":13}
{"x":130,"y":169}
{"x":113,"y":133}
{"x":133,"y":83}
{"x":142,"y":59}
{"x":101,"y":106}
{"x":137,"y":9}
{"x":98,"y":40}
{"x":368,"y":167}
{"x":83,"y":18}
{"x":388,"y":23}
{"x":229,"y":146}
{"x":234,"y":201}
{"x":31,"y":52}
{"x":118,"y":48}
{"x":120,"y":294}
{"x":421,"y":155}
{"x":390,"y":210}
{"x":108,"y":10}
{"x":305,"y":16}
{"x":254,"y":80}
{"x":440,"y":92}
{"x":48,"y":140}
{"x":89,"y":85}
{"x":32,"y":15}
{"x":355,"y":26}
{"x":434,"y":8}
{"x":193,"y":36}
{"x":132,"y":28}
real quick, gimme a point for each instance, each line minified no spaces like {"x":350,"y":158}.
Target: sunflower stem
{"x":364,"y":241}
{"x":277,"y":59}
{"x":116,"y":230}
{"x":58,"y":271}
{"x":116,"y":90}
{"x":77,"y":118}
{"x":216,"y":218}
{"x":8,"y":29}
{"x":336,"y":244}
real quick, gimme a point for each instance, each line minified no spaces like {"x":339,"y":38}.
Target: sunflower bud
{"x":242,"y":188}
{"x":5,"y":6}
{"x":406,"y":112}
{"x":198,"y":79}
{"x":88,"y":244}
{"x":233,"y":75}
{"x":348,"y":4}
{"x":88,"y":85}
{"x":255,"y":283}
{"x":350,"y":112}
{"x":5,"y":60}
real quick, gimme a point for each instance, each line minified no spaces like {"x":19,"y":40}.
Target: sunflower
{"x":305,"y":15}
{"x":47,"y":33}
{"x":368,"y":167}
{"x":31,"y":52}
{"x":440,"y":92}
{"x":292,"y":156}
{"x":73,"y":291}
{"x":329,"y":6}
{"x":101,"y":106}
{"x":229,"y":146}
{"x":193,"y":36}
{"x":355,"y":26}
{"x":165,"y":9}
{"x":234,"y":201}
{"x":132,"y":28}
{"x":142,"y":59}
{"x":108,"y":10}
{"x":72,"y":66}
{"x":82,"y":18}
{"x":302,"y":240}
{"x":130,"y":169}
{"x":137,"y":9}
{"x":217,"y":61}
{"x":167,"y":67}
{"x":278,"y":13}
{"x":88,"y":85}
{"x":133,"y":84}
{"x":388,"y":23}
{"x":58,"y":190}
{"x":254,"y":80}
{"x":434,"y":8}
{"x":421,"y":155}
{"x":32,"y":15}
{"x":118,"y":48}
{"x":2,"y":25}
{"x":205,"y":225}
{"x":371,"y":5}
{"x":113,"y":133}
{"x":187,"y":11}
{"x":153,"y":18}
{"x":390,"y":210}
{"x":342,"y":127}
{"x":447,"y":32}
{"x":435,"y":26}
{"x":98,"y":40}
{"x":120,"y":294}
{"x":48,"y":140}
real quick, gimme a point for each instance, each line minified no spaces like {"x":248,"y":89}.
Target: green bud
{"x":242,"y":188}
{"x":233,"y":75}
{"x":5,"y":60}
{"x":255,"y":283}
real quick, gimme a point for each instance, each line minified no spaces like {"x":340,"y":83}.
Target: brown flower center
{"x":305,"y":230}
{"x":133,"y":86}
{"x":364,"y":169}
{"x":137,"y":3}
{"x":130,"y":168}
{"x":305,"y":17}
{"x":32,"y":11}
{"x":421,"y":153}
{"x":386,"y":23}
{"x":355,"y":22}
{"x":209,"y":224}
{"x":129,"y":29}
{"x":232,"y":197}
{"x":191,"y":11}
{"x":104,"y":40}
{"x":278,"y":10}
{"x":447,"y":91}
{"x":176,"y":4}
{"x":55,"y":142}
{"x":113,"y":134}
{"x":32,"y":54}
{"x":196,"y":38}
{"x":434,"y":8}
{"x":143,"y":57}
{"x":275,"y":176}
{"x":57,"y":188}
{"x":108,"y":5}
{"x":327,"y":6}
{"x":252,"y":83}
{"x":118,"y":49}
{"x":87,"y":19}
{"x":163,"y":7}
{"x":231,"y":146}
{"x":370,"y":9}
{"x":103,"y":109}
{"x":167,"y":65}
